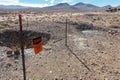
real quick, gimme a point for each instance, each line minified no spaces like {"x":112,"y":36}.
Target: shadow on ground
{"x":85,"y":26}
{"x":10,"y":38}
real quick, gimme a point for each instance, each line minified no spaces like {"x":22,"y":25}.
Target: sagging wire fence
{"x":70,"y":43}
{"x":68,"y":30}
{"x":79,"y":36}
{"x":32,"y":28}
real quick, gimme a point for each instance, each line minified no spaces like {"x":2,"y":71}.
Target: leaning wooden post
{"x":22,"y":47}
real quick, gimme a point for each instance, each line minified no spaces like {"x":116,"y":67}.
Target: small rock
{"x":47,"y":47}
{"x":9,"y":54}
{"x":36,"y":63}
{"x":8,"y":65}
{"x":68,"y":65}
{"x":16,"y":54}
{"x":50,"y":71}
{"x":56,"y":78}
{"x":16,"y":69}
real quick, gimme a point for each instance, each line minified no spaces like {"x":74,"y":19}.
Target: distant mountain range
{"x":62,"y":7}
{"x":77,"y":7}
{"x":83,"y":6}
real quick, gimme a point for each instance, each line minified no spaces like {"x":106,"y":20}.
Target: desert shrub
{"x":114,"y":26}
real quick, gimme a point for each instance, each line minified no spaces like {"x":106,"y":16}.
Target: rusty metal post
{"x":22,"y":47}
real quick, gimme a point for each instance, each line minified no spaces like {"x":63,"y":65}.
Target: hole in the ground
{"x":10,"y":38}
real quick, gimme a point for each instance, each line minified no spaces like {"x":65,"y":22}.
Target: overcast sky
{"x":44,"y":3}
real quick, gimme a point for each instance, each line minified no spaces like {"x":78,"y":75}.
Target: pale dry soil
{"x":100,"y":52}
{"x":90,"y":55}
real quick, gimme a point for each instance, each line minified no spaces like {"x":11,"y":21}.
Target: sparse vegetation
{"x":92,"y":52}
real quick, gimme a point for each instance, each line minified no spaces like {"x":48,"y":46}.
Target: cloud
{"x":34,"y":5}
{"x":68,"y":1}
{"x":52,"y":1}
{"x":9,"y":2}
{"x":17,"y":2}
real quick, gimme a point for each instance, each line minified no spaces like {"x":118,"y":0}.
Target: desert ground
{"x":92,"y":51}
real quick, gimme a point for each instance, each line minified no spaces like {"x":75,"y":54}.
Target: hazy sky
{"x":43,"y":3}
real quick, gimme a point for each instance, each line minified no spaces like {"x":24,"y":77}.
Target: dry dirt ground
{"x":92,"y":51}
